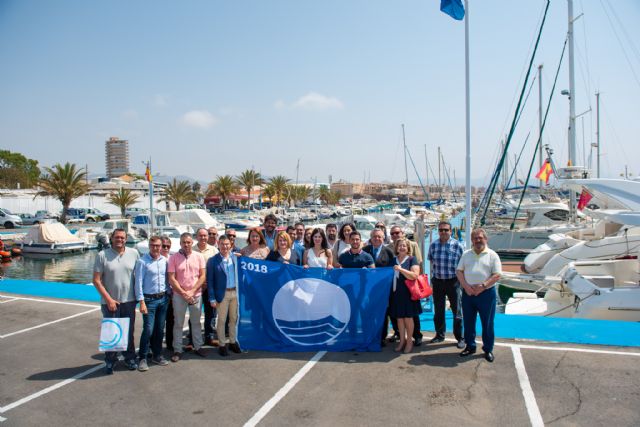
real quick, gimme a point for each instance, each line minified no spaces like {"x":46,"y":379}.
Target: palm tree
{"x":223,"y":186}
{"x":324,"y":194}
{"x":268,"y":192}
{"x":179,"y":192}
{"x":249,"y":179}
{"x":123,"y":198}
{"x":302,"y":193}
{"x":279,"y":184}
{"x":334,"y":197}
{"x":64,"y":183}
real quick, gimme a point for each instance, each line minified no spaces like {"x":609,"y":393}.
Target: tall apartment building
{"x":116,"y":157}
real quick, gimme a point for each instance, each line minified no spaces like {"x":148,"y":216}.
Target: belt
{"x":154,"y":296}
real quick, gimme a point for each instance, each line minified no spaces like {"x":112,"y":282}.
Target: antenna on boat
{"x":406,"y":171}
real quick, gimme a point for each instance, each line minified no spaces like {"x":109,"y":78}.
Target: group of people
{"x":204,"y":275}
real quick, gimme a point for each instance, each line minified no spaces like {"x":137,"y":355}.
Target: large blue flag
{"x":284,"y":307}
{"x":453,"y":8}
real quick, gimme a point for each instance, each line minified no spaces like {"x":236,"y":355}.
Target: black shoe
{"x":489,"y":356}
{"x":394,"y":338}
{"x":223,"y":351}
{"x":417,"y":342}
{"x":235,"y":348}
{"x":436,"y":340}
{"x":383,"y":343}
{"x":467,"y":352}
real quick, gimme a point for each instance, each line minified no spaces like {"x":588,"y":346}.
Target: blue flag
{"x":453,"y":8}
{"x":284,"y":307}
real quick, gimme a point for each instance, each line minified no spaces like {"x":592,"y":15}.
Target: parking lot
{"x":52,"y":373}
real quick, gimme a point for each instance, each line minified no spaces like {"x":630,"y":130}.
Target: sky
{"x":208,"y":88}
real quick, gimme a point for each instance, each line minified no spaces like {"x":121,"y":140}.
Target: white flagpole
{"x":151,"y":217}
{"x":467,"y":227}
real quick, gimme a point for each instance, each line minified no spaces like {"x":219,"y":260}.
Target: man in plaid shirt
{"x":444,"y":255}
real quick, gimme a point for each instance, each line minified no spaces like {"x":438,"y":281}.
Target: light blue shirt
{"x":150,"y":276}
{"x":230,"y":270}
{"x":270,"y":239}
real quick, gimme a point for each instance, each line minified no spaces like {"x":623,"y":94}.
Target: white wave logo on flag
{"x":311,"y":311}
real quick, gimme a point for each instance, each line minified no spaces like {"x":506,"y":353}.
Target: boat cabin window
{"x":557,"y":215}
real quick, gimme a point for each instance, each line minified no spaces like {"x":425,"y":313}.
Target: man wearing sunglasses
{"x":444,"y":255}
{"x":213,"y":237}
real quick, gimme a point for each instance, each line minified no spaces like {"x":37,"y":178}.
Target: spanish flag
{"x":147,"y":174}
{"x":545,"y":172}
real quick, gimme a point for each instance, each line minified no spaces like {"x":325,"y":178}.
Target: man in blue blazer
{"x":222,"y":283}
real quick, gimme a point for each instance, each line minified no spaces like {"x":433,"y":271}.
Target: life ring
{"x":5,"y":254}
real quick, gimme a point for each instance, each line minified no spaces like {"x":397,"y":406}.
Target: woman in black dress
{"x":282,"y":251}
{"x":402,"y":307}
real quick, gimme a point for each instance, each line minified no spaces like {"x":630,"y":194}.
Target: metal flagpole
{"x":467,"y":225}
{"x":151,"y":214}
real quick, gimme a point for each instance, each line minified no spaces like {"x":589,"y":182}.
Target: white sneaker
{"x":142,"y":365}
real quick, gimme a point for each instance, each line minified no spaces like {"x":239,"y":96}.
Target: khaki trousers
{"x":228,"y":306}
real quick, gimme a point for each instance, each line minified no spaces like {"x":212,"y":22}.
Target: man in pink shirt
{"x":186,"y":271}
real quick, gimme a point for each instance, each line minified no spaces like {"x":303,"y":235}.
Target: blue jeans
{"x":484,"y":305}
{"x":153,"y":326}
{"x":124,"y":309}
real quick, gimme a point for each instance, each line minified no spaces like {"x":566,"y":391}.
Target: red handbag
{"x":419,"y":288}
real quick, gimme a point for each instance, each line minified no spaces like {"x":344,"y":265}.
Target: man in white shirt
{"x":478,"y":271}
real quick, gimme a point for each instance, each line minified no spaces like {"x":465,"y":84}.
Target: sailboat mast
{"x":598,"y":133}
{"x":439,"y":176}
{"x":406,"y":171}
{"x":426,"y":164}
{"x":540,"y":119}
{"x":572,"y":106}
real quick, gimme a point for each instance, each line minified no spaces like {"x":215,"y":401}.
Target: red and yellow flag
{"x":147,"y":174}
{"x":545,"y":172}
{"x":585,"y":198}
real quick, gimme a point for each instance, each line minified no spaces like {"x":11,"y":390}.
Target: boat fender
{"x":16,"y":251}
{"x":5,"y":254}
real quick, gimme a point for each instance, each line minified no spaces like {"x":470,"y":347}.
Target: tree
{"x":324,"y":194}
{"x":334,"y":197}
{"x":249,"y":179}
{"x":279,"y":184}
{"x":17,"y":169}
{"x":123,"y":198}
{"x":269,"y":193}
{"x":179,"y":192}
{"x":64,"y":183}
{"x":223,"y":186}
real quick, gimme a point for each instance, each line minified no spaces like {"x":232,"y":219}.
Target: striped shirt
{"x":444,"y":258}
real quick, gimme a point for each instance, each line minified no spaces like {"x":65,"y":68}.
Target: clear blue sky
{"x":215,"y":87}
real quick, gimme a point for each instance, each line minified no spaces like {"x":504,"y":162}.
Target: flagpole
{"x":467,"y":226}
{"x":151,"y":217}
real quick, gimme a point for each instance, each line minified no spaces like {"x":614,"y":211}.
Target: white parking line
{"x":574,"y":349}
{"x":271,"y":403}
{"x":8,"y":300}
{"x":50,"y":301}
{"x":49,"y":389}
{"x":527,"y":392}
{"x":48,"y":323}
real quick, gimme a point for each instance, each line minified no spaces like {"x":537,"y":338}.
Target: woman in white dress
{"x":319,"y":254}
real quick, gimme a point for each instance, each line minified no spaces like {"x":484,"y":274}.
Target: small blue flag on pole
{"x":453,"y":8}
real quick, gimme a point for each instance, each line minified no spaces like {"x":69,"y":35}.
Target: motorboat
{"x":607,"y":289}
{"x":50,"y":238}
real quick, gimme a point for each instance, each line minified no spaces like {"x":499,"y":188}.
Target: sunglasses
{"x":393,"y":233}
{"x":443,"y":230}
{"x":166,"y":246}
{"x":231,"y":236}
{"x":213,"y":234}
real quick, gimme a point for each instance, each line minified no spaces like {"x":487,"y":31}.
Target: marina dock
{"x":52,"y":373}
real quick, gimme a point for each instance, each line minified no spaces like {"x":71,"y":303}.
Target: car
{"x":133,"y":212}
{"x":9,"y":220}
{"x":28,"y":219}
{"x":86,"y":214}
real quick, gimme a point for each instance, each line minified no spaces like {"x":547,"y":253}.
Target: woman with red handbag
{"x":401,"y":305}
